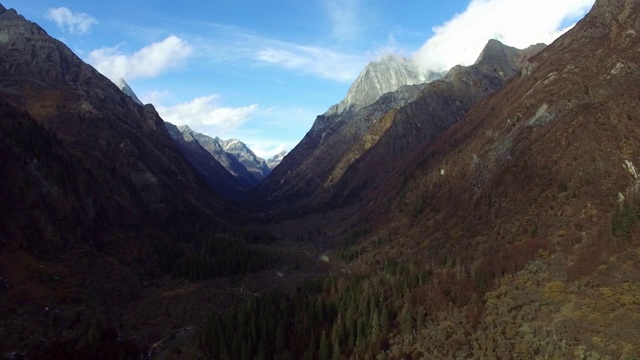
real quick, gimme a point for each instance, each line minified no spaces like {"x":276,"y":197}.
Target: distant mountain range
{"x":239,"y":161}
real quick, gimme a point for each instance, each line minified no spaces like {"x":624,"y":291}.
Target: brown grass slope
{"x":535,"y":191}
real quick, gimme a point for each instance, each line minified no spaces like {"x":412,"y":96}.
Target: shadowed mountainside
{"x":100,"y":209}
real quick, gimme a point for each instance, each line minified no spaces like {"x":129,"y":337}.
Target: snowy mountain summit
{"x":256,"y":165}
{"x":387,"y":74}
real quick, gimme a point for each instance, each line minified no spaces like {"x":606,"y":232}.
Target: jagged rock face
{"x":309,"y":175}
{"x":276,"y":159}
{"x":256,"y":165}
{"x":387,"y":74}
{"x":127,"y":90}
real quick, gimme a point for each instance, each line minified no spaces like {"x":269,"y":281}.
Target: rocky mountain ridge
{"x":233,"y":155}
{"x":222,"y":172}
{"x":401,"y":119}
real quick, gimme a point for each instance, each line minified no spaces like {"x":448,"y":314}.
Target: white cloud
{"x":204,"y":114}
{"x":75,"y":23}
{"x":346,"y":18}
{"x":517,"y":23}
{"x":267,"y":149}
{"x":314,"y":60}
{"x":150,"y":61}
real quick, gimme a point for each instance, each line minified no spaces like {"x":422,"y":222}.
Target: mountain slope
{"x":400,"y":120}
{"x":100,"y":208}
{"x":440,"y":105}
{"x":305,"y":168}
{"x":523,"y":220}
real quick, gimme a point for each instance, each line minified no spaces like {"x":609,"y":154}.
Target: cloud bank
{"x":74,"y":23}
{"x":313,"y":60}
{"x":346,"y":19}
{"x":204,"y":114}
{"x":148,"y":62}
{"x":517,"y":23}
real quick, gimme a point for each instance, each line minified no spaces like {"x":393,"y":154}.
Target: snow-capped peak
{"x":255,"y":164}
{"x":386,"y":74}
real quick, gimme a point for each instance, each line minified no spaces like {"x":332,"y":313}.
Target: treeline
{"x":330,"y":318}
{"x":361,"y":316}
{"x":199,"y":250}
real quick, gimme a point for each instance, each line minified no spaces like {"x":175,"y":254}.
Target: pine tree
{"x":375,"y":327}
{"x":406,"y":323}
{"x":337,"y":333}
{"x":323,"y":351}
{"x":384,"y":321}
{"x":361,"y":337}
{"x":335,"y":349}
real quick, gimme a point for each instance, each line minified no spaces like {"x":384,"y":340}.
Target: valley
{"x":488,"y":212}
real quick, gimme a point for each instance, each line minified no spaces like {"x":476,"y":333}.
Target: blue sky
{"x":261,"y":71}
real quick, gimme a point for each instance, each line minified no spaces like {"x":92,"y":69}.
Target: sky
{"x":261,"y":71}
